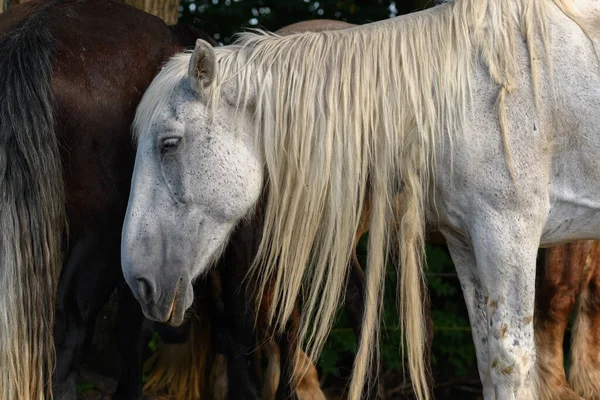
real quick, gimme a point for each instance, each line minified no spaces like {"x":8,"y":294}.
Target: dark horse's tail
{"x":32,"y":212}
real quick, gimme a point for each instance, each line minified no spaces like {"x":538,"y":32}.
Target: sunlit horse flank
{"x":502,"y":158}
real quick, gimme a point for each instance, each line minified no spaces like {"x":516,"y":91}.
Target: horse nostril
{"x":145,"y":290}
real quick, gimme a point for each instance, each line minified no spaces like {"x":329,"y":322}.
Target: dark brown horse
{"x":570,"y":280}
{"x":73,"y":72}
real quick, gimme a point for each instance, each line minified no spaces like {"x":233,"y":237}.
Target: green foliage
{"x":154,"y":341}
{"x":222,"y":18}
{"x":84,"y":388}
{"x":152,"y":345}
{"x":452,"y":344}
{"x":341,"y":344}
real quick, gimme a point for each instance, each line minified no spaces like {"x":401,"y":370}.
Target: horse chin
{"x":182,"y":301}
{"x":176,"y":315}
{"x":173,"y":313}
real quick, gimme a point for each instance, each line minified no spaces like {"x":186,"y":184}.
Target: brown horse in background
{"x":570,"y":280}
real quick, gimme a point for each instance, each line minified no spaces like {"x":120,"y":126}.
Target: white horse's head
{"x":196,"y":175}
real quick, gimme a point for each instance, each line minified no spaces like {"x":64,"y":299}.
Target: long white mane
{"x":349,"y":117}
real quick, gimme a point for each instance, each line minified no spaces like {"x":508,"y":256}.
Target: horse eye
{"x":170,"y":145}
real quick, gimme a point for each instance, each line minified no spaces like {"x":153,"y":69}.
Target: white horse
{"x":483,"y":114}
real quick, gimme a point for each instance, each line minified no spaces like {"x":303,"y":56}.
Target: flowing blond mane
{"x":345,"y":117}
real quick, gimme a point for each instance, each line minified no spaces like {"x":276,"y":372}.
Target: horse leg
{"x":272,"y":372}
{"x":464,"y":262}
{"x":584,"y":374}
{"x":299,"y":379}
{"x":131,"y":338}
{"x":87,"y":280}
{"x":219,"y":379}
{"x":307,"y":378}
{"x":505,"y":250}
{"x":288,"y":346}
{"x":233,"y":320}
{"x":242,"y":372}
{"x":563,"y":268}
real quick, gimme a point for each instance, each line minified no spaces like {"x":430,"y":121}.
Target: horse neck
{"x":587,"y":9}
{"x":586,"y":12}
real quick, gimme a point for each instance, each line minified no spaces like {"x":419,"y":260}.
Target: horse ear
{"x":203,"y":65}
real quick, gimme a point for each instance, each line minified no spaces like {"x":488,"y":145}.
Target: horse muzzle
{"x":166,"y":306}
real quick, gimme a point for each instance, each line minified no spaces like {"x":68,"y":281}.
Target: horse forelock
{"x":159,"y":94}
